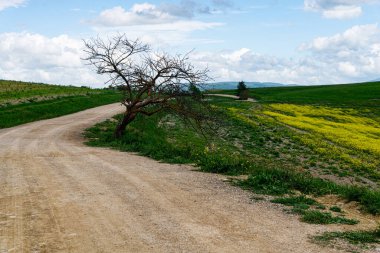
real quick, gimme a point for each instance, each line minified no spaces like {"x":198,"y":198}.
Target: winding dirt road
{"x":58,"y":195}
{"x":231,"y":96}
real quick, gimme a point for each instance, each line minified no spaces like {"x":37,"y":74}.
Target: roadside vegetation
{"x":310,"y":211}
{"x":354,"y":237}
{"x":357,"y":240}
{"x":293,"y":148}
{"x":22,"y":102}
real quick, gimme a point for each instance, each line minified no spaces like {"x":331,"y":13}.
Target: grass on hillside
{"x":23,"y":113}
{"x":359,"y":95}
{"x":15,"y":92}
{"x":22,"y":102}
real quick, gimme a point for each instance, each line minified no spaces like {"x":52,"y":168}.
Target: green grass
{"x":23,"y":113}
{"x":336,"y":209}
{"x":353,"y":237}
{"x":318,"y":217}
{"x":302,"y":205}
{"x":299,"y":203}
{"x":363,"y":94}
{"x":61,"y":100}
{"x":327,"y":140}
{"x":15,"y":92}
{"x":280,"y":182}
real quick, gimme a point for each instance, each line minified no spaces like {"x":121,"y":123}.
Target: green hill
{"x":23,"y":102}
{"x":366,"y":94}
{"x":15,"y":92}
{"x":361,"y":94}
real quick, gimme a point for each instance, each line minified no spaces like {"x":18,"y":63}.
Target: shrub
{"x":317,"y":217}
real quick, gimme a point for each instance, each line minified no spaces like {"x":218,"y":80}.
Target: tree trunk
{"x":120,"y":129}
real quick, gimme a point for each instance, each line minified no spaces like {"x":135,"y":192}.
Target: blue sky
{"x":295,"y":41}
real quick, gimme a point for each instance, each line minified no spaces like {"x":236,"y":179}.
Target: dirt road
{"x":231,"y":96}
{"x":57,"y":195}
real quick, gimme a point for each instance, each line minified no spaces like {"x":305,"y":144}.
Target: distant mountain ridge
{"x":233,"y":85}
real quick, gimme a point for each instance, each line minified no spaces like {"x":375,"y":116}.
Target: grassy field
{"x":14,"y":92}
{"x":339,"y":124}
{"x":357,"y":95}
{"x":22,"y":102}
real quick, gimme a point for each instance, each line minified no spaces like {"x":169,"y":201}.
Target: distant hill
{"x":376,"y":80}
{"x":233,"y":85}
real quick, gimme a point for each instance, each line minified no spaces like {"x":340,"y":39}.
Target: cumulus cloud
{"x":140,"y":14}
{"x":353,"y":55}
{"x":337,"y":9}
{"x":244,"y":64}
{"x":164,"y":25}
{"x":10,"y":3}
{"x":355,"y":51}
{"x":356,"y":38}
{"x":149,"y":14}
{"x":28,"y":56}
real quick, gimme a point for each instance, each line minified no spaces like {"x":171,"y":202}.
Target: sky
{"x":287,"y":41}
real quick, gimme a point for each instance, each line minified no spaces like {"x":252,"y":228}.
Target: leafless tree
{"x":150,"y":82}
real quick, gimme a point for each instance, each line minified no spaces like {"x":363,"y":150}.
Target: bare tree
{"x":150,"y":82}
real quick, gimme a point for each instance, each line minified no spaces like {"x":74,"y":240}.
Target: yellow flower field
{"x":345,"y":127}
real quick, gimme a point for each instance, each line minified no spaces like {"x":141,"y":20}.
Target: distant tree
{"x":150,"y":83}
{"x":195,"y":92}
{"x":242,"y":91}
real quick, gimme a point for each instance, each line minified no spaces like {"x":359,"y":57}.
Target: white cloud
{"x":350,"y":56}
{"x":235,"y":56}
{"x":355,"y":38}
{"x":34,"y":57}
{"x":244,"y":64}
{"x":140,"y":14}
{"x":10,"y":3}
{"x":343,"y":12}
{"x":337,"y":9}
{"x":348,"y":69}
{"x":149,"y":14}
{"x":166,"y":25}
{"x":356,"y":51}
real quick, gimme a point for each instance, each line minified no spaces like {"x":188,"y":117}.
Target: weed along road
{"x":58,"y":195}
